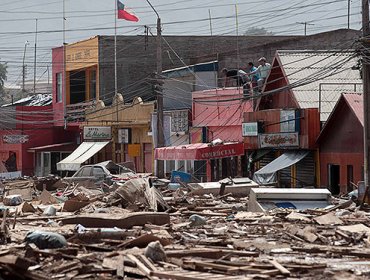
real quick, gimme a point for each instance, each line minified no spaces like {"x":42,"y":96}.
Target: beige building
{"x":130,"y":124}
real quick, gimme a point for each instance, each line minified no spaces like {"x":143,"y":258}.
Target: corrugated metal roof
{"x":355,"y":101}
{"x":336,"y":72}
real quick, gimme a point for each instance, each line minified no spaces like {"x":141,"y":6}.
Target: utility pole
{"x":24,"y":67}
{"x":34,"y":63}
{"x":305,"y":26}
{"x":64,"y":99}
{"x":366,"y":93}
{"x":160,"y":135}
{"x":349,"y":11}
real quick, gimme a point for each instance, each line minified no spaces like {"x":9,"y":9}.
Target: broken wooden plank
{"x":122,"y":221}
{"x":208,"y":253}
{"x":20,"y":263}
{"x":140,"y":265}
{"x":278,"y":266}
{"x":194,"y":275}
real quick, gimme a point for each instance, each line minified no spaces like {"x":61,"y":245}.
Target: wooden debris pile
{"x":117,"y":235}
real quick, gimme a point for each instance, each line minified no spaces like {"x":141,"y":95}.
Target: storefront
{"x":203,"y":160}
{"x":94,"y":149}
{"x":47,"y":157}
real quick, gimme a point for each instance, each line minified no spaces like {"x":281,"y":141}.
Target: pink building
{"x":217,"y":114}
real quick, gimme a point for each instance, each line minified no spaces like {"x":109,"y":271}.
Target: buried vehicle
{"x":104,"y":172}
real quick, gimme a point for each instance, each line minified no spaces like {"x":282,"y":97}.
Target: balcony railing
{"x":76,"y":113}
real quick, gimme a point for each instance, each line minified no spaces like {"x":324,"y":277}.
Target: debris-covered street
{"x":56,"y":230}
{"x":184,"y":140}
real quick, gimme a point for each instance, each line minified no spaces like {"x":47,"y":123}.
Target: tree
{"x":3,"y":76}
{"x":257,"y":31}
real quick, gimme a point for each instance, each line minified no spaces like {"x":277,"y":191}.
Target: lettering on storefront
{"x":15,"y":139}
{"x":80,"y":55}
{"x":219,"y":154}
{"x":97,"y":133}
{"x":277,"y":140}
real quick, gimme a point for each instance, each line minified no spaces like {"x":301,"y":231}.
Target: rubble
{"x":135,"y":231}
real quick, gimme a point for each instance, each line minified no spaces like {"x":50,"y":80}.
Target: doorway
{"x":334,"y":178}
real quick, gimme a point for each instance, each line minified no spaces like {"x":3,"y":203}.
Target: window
{"x":93,"y":84}
{"x":59,"y":87}
{"x":98,"y":172}
{"x":84,"y":172}
{"x":287,"y":121}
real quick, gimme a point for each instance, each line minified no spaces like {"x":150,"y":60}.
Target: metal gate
{"x":306,"y":171}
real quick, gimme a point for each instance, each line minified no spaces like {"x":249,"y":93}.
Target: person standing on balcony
{"x":255,"y":77}
{"x":239,"y":76}
{"x":263,"y":71}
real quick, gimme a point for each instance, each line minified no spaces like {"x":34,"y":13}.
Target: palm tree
{"x":3,"y":73}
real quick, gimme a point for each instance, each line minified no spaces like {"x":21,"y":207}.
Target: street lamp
{"x":24,"y":66}
{"x":160,"y":134}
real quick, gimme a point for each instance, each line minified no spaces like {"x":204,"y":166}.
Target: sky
{"x":86,"y":18}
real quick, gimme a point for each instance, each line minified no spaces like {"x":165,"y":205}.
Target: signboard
{"x":221,"y":152}
{"x":124,"y":135}
{"x":134,"y":150}
{"x":15,"y":139}
{"x":180,"y":121}
{"x":277,"y":140}
{"x":250,"y":129}
{"x":97,"y":133}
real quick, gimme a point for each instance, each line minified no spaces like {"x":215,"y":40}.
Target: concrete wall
{"x":137,"y":61}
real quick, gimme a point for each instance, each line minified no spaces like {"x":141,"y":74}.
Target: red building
{"x":342,"y":145}
{"x":29,"y":130}
{"x":298,"y":96}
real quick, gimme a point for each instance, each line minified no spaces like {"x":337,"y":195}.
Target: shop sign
{"x":219,"y":154}
{"x":134,"y":150}
{"x":278,"y":140}
{"x":250,"y":129}
{"x":222,"y":151}
{"x":15,"y":139}
{"x":124,"y":135}
{"x":97,"y":133}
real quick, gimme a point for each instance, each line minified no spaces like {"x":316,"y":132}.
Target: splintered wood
{"x":143,"y":233}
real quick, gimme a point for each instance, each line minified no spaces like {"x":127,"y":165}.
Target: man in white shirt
{"x":263,"y":70}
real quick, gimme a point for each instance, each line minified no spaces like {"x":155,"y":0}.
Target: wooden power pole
{"x":160,"y":134}
{"x":366,"y":90}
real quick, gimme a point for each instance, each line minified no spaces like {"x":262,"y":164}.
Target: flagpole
{"x":237,"y":34}
{"x":213,"y":48}
{"x":115,"y":58}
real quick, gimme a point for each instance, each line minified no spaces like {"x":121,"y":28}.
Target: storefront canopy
{"x":267,"y":174}
{"x":199,"y":151}
{"x":84,"y":152}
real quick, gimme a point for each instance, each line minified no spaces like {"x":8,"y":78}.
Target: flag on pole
{"x":123,"y":13}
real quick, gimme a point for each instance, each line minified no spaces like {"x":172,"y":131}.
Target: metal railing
{"x":76,"y":113}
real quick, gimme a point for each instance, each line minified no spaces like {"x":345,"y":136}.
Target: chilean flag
{"x":123,"y":13}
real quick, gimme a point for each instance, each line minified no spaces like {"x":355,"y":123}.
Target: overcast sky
{"x":86,"y":18}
